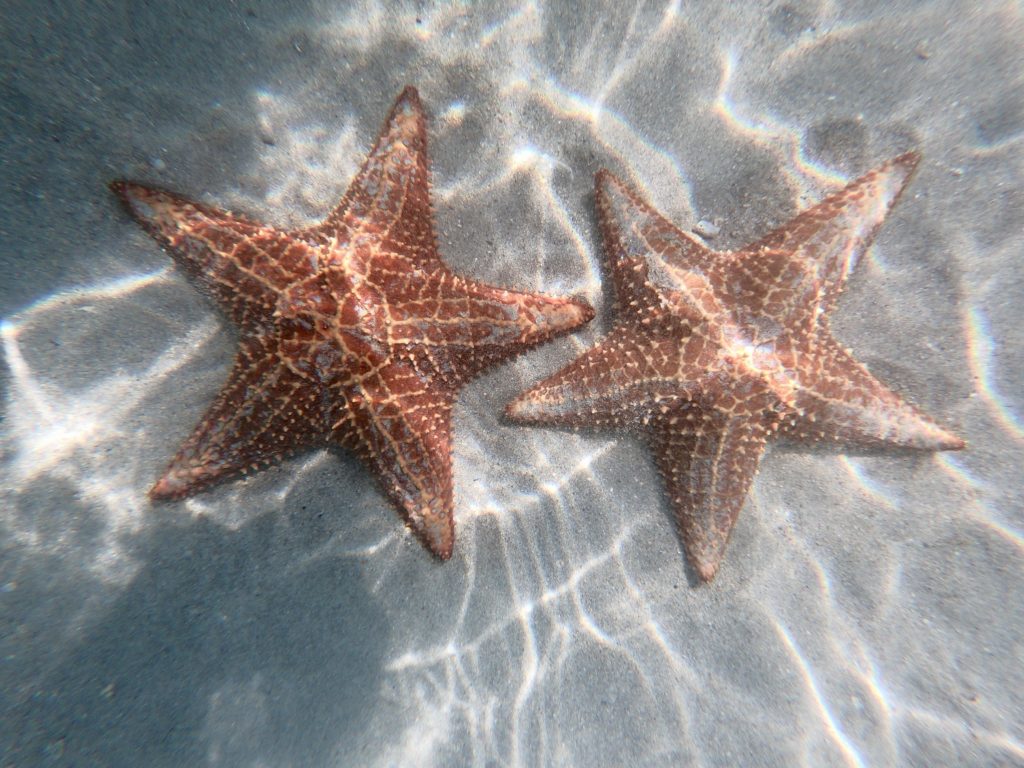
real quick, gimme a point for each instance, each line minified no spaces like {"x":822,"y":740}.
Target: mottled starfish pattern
{"x":353,"y":333}
{"x":713,"y":353}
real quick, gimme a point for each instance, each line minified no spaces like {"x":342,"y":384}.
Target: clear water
{"x":868,"y":612}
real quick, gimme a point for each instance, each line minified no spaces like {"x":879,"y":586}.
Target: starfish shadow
{"x":787,"y":446}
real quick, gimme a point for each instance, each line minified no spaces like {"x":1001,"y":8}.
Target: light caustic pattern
{"x":564,"y":629}
{"x":82,"y":436}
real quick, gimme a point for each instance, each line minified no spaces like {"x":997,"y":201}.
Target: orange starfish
{"x":353,"y":333}
{"x":714,"y":352}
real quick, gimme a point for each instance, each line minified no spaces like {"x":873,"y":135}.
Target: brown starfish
{"x":353,"y":332}
{"x":715,"y":352}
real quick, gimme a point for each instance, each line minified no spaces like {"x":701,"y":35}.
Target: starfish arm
{"x":240,"y":264}
{"x":621,"y":382}
{"x":708,"y":460}
{"x":799,"y":270}
{"x":838,"y":399}
{"x":465,"y":327}
{"x":644,"y":250}
{"x":388,"y":202}
{"x":400,"y":426}
{"x":263,"y":412}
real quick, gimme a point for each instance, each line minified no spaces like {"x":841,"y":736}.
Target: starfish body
{"x":714,"y":353}
{"x":353,"y":333}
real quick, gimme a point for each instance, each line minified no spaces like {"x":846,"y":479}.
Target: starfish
{"x":353,"y":333}
{"x":715,"y":352}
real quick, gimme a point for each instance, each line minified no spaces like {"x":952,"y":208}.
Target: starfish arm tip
{"x":129,"y":193}
{"x":928,"y":436}
{"x":908,"y":159}
{"x":408,"y":101}
{"x":705,"y":551}
{"x":529,"y":407}
{"x":705,"y":556}
{"x":605,"y":181}
{"x":953,"y":443}
{"x":166,"y":489}
{"x":584,"y":311}
{"x":550,"y":316}
{"x":183,"y":480}
{"x":158,"y":211}
{"x":429,"y":515}
{"x":438,"y":539}
{"x":904,"y":167}
{"x":706,"y":571}
{"x":514,"y":410}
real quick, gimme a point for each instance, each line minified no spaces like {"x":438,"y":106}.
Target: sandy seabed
{"x":868,"y":612}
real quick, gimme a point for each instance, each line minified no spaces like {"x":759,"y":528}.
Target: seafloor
{"x":868,"y":612}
